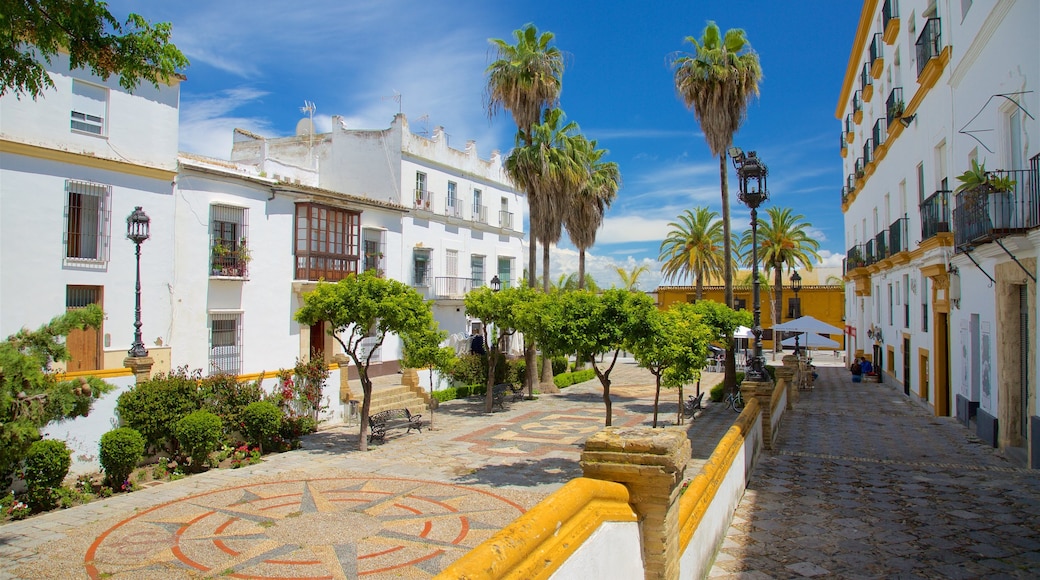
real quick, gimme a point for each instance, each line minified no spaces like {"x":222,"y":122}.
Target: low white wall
{"x":711,"y":531}
{"x":612,"y":551}
{"x":777,"y":413}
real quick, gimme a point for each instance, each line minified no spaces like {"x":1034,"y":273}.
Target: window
{"x":739,"y":304}
{"x":479,"y":211}
{"x":422,"y":197}
{"x":225,"y":343}
{"x":327,"y":241}
{"x":505,"y":219}
{"x":505,"y":272}
{"x":88,"y":221}
{"x":890,"y":305}
{"x":906,"y":301}
{"x":89,"y":107}
{"x":453,"y":199}
{"x":228,"y":241}
{"x":374,"y":248}
{"x":920,"y":183}
{"x":421,"y":268}
{"x":476,"y":268}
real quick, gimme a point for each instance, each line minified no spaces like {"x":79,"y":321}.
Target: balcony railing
{"x":868,"y":150}
{"x":889,"y":11}
{"x":935,"y":214}
{"x":845,"y":193}
{"x":894,"y":105}
{"x":422,"y":199}
{"x":929,"y":43}
{"x":869,"y":255}
{"x":855,"y":258}
{"x":880,"y":132}
{"x":876,"y":48}
{"x":480,"y":213}
{"x":857,"y":102}
{"x":860,"y":168}
{"x":453,"y":210}
{"x":881,"y":245}
{"x":844,"y":144}
{"x":452,"y":287}
{"x":982,"y":216}
{"x":865,"y":79}
{"x":898,"y":236}
{"x":850,"y":183}
{"x":505,"y":219}
{"x":850,"y":125}
{"x":374,"y":258}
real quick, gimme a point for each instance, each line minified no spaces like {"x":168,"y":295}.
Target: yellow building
{"x":825,"y":302}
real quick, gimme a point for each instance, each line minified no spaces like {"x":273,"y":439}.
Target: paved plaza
{"x":406,"y":508}
{"x":864,"y":484}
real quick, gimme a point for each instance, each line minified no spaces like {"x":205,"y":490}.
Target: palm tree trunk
{"x":530,"y":350}
{"x":547,"y":385}
{"x":581,"y":269}
{"x":727,"y":273}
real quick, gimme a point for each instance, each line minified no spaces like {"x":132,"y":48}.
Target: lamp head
{"x":796,"y":282}
{"x":495,"y":284}
{"x":137,"y":225}
{"x":752,"y":175}
{"x":907,"y":120}
{"x":736,"y":152}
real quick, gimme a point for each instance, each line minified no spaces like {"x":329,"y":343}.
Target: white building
{"x":73,"y":165}
{"x":465,"y":224}
{"x":942,"y":285}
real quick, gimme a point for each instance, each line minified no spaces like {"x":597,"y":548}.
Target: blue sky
{"x":254,"y":63}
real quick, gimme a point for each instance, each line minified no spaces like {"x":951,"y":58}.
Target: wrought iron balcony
{"x":894,"y":105}
{"x":935,"y":214}
{"x":880,"y":132}
{"x":865,"y":79}
{"x":983,"y":215}
{"x":881,"y":245}
{"x":898,"y":236}
{"x":844,"y":144}
{"x":860,"y":168}
{"x":877,"y":48}
{"x":505,"y":220}
{"x":374,"y":258}
{"x":480,"y":213}
{"x":452,"y":287}
{"x":869,"y":256}
{"x":929,"y":43}
{"x":868,"y":151}
{"x":850,"y":125}
{"x":857,"y":102}
{"x":453,"y":210}
{"x":845,"y":193}
{"x":850,"y":182}
{"x":889,"y":11}
{"x":422,"y":199}
{"x":855,"y":257}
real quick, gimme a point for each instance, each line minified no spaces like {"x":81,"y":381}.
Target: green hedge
{"x":199,"y":434}
{"x":262,"y":421}
{"x":46,"y":465}
{"x":564,"y":380}
{"x":121,"y":449}
{"x":153,"y":407}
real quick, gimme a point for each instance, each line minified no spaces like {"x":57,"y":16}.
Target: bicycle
{"x":735,"y":402}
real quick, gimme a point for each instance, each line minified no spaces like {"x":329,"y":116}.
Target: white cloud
{"x":207,"y":123}
{"x":564,"y":261}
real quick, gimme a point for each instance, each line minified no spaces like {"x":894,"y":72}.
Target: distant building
{"x":942,"y":284}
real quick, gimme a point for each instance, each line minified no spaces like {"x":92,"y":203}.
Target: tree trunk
{"x":489,"y":396}
{"x":546,"y":384}
{"x":679,"y":415}
{"x":366,"y":404}
{"x":657,"y":396}
{"x":530,"y":349}
{"x":727,"y":272}
{"x":581,"y":269}
{"x":778,"y":304}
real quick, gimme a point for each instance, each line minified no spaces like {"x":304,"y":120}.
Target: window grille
{"x":229,"y":241}
{"x":225,"y":348}
{"x":476,"y":267}
{"x":88,"y":221}
{"x":421,"y":268}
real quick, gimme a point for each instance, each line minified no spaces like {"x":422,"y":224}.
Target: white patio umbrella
{"x":743,"y":332}
{"x":808,"y":324}
{"x":812,"y":340}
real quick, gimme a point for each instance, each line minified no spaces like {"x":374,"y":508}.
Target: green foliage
{"x":121,"y":449}
{"x":470,"y":369}
{"x":199,"y":434}
{"x":30,"y":396}
{"x":693,"y":247}
{"x":564,"y":380}
{"x":223,"y":395}
{"x":721,"y":318}
{"x":677,"y":347}
{"x":153,"y":407}
{"x":718,"y":392}
{"x":46,"y":465}
{"x":294,"y":427}
{"x":443,"y":395}
{"x":301,"y":388}
{"x":262,"y":421}
{"x":91,"y":36}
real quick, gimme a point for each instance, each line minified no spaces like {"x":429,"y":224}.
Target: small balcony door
{"x":84,"y":345}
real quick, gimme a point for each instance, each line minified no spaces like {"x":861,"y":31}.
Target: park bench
{"x":693,"y":403}
{"x":501,"y":391}
{"x":380,"y":422}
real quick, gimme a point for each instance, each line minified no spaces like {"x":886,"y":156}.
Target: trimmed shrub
{"x":46,"y":465}
{"x":470,"y":369}
{"x":449,"y":394}
{"x":199,"y":434}
{"x":559,"y":365}
{"x":718,"y":392}
{"x":262,"y":420}
{"x":294,"y":427}
{"x":564,"y":380}
{"x":153,"y":407}
{"x":121,"y":449}
{"x":225,"y":397}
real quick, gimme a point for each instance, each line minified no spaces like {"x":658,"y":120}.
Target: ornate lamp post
{"x":751,"y":177}
{"x":796,"y":285}
{"x":137,"y":232}
{"x":495,"y":284}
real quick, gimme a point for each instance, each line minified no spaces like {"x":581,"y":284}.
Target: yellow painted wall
{"x":826,"y":303}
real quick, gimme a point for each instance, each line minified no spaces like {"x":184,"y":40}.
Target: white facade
{"x":933,"y":297}
{"x":465,"y":224}
{"x":73,"y":165}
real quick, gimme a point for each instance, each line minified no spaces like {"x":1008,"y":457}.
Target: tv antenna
{"x":307,"y":125}
{"x":396,"y":97}
{"x":425,"y":120}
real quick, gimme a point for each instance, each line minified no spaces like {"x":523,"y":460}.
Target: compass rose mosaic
{"x":313,"y":528}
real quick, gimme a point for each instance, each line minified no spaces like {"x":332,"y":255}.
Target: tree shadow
{"x":547,"y":470}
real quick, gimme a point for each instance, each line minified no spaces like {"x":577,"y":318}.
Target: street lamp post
{"x":751,"y":177}
{"x":796,"y":285}
{"x":137,"y":225}
{"x":496,"y":284}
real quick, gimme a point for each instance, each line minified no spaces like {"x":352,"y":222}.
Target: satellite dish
{"x":305,"y":127}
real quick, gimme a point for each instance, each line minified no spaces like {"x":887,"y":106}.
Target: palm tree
{"x":630,"y":278}
{"x":783,"y":241}
{"x":693,"y":247}
{"x":717,"y":81}
{"x":587,"y":208}
{"x":525,"y":78}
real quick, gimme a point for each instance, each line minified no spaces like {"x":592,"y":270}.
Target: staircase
{"x":385,"y":398}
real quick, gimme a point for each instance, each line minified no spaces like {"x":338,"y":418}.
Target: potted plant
{"x":896,"y":110}
{"x":242,"y":257}
{"x":988,"y":193}
{"x":220,"y":258}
